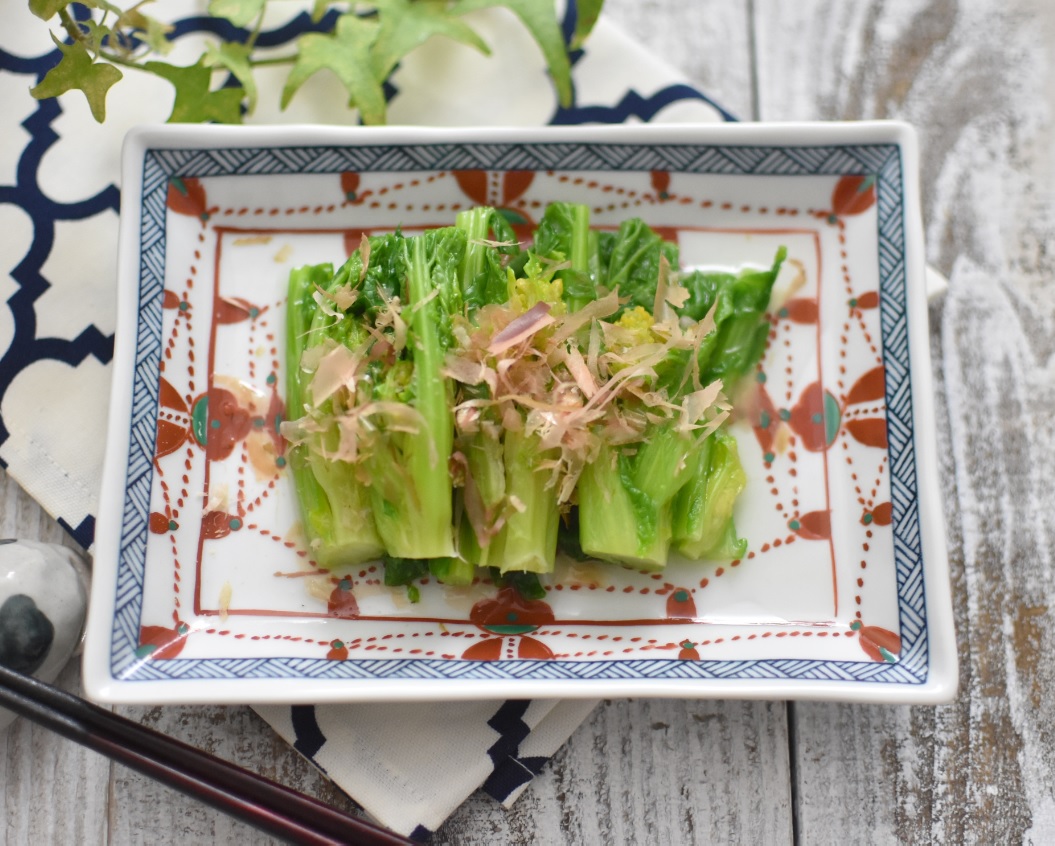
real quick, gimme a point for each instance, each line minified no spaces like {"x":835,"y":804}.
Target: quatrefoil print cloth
{"x":59,"y":201}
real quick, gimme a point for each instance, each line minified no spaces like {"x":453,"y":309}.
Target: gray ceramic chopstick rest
{"x":43,"y":603}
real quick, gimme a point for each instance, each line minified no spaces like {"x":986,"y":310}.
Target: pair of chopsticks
{"x":245,"y":795}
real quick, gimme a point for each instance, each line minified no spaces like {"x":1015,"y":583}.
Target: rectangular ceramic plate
{"x":203,"y":589}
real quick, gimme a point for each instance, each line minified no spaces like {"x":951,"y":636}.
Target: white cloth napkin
{"x":410,"y":766}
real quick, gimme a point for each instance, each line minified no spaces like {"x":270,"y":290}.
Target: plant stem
{"x":276,"y":60}
{"x":250,"y":42}
{"x":114,"y":59}
{"x":70,"y":25}
{"x":73,"y":28}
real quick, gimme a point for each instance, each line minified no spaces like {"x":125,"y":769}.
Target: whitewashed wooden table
{"x":978,"y":80}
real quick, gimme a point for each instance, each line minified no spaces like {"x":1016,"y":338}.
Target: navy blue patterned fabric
{"x":511,"y":770}
{"x":309,"y":736}
{"x":26,"y":346}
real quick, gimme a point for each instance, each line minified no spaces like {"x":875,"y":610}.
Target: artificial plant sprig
{"x":362,"y":48}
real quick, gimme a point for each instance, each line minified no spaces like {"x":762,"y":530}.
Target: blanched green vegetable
{"x":626,"y":500}
{"x":410,"y":483}
{"x":337,"y":519}
{"x":458,"y":401}
{"x":528,"y":540}
{"x":626,"y":506}
{"x":703,"y":509}
{"x":564,"y":237}
{"x":739,"y":303}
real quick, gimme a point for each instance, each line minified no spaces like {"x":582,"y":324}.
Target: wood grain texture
{"x":708,"y":41}
{"x":235,"y":734}
{"x":976,"y":80}
{"x":52,"y":791}
{"x":656,"y":771}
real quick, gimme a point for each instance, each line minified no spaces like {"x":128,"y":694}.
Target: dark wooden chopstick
{"x":258,"y":801}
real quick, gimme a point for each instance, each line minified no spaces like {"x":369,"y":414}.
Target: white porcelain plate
{"x":204,"y":590}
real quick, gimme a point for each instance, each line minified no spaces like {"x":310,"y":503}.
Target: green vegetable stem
{"x":336,"y":512}
{"x":628,"y":498}
{"x":703,"y":508}
{"x":490,"y":241}
{"x":564,"y":237}
{"x":410,"y":481}
{"x":528,"y":541}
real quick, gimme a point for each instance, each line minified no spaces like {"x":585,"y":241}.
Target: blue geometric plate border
{"x":882,"y":161}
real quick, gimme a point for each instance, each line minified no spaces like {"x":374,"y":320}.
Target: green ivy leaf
{"x":156,"y":35}
{"x":47,"y":9}
{"x":77,"y":71}
{"x":195,"y":103}
{"x":95,"y":35}
{"x":150,"y":30}
{"x":588,"y":11}
{"x":405,"y":24}
{"x":238,"y":12}
{"x":539,"y":19}
{"x":347,"y":54}
{"x":235,"y":57}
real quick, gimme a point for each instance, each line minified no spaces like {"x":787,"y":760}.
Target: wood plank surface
{"x":51,"y":791}
{"x":976,"y":78}
{"x":137,"y":804}
{"x":651,"y":771}
{"x":707,"y":41}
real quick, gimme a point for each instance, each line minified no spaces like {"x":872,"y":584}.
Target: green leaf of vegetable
{"x":77,"y":71}
{"x":195,"y":103}
{"x":404,"y":25}
{"x":539,"y":19}
{"x":588,"y":13}
{"x":47,"y":9}
{"x":238,"y":12}
{"x":235,"y":57}
{"x":347,"y":54}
